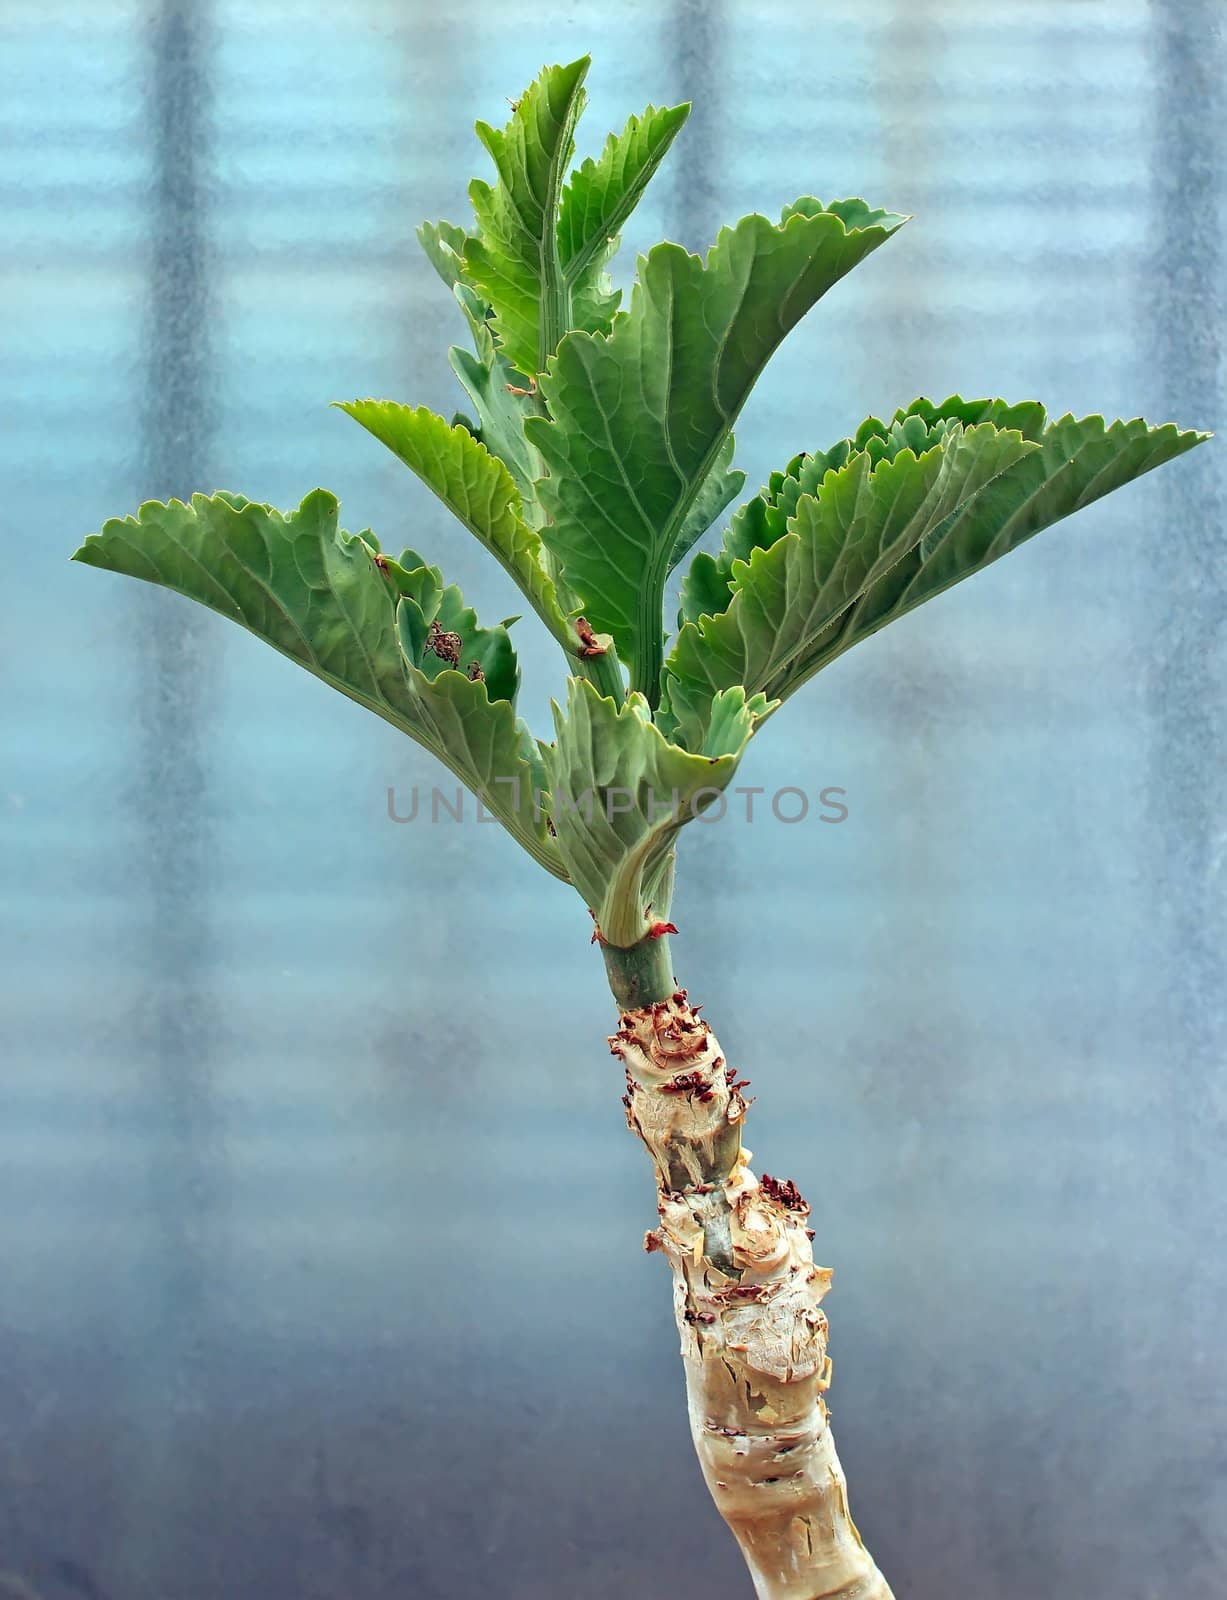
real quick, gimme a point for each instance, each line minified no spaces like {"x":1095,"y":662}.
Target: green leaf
{"x":1080,"y":460}
{"x":719,"y":489}
{"x":621,"y":793}
{"x":421,"y":587}
{"x":755,"y":525}
{"x":758,"y":523}
{"x":466,"y":646}
{"x":707,"y":586}
{"x":459,"y":644}
{"x":477,"y":488}
{"x":599,"y":197}
{"x":513,"y":261}
{"x":489,"y":380}
{"x":1028,"y":416}
{"x":640,"y":417}
{"x":316,"y":594}
{"x":500,"y":425}
{"x":769,"y":618}
{"x":443,"y":243}
{"x":856,"y":524}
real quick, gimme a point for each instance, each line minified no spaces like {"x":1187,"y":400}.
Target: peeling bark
{"x":747,"y":1299}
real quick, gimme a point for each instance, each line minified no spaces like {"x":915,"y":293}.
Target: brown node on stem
{"x":667,"y":1032}
{"x":688,"y":1083}
{"x":589,"y":644}
{"x":739,"y":1105}
{"x":785,"y":1193}
{"x":691,"y":1315}
{"x":754,"y":1293}
{"x":624,"y":1036}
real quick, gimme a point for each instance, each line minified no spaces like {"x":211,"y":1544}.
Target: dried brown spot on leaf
{"x":443,"y":644}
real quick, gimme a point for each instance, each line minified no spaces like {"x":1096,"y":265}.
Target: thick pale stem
{"x":746,"y":1295}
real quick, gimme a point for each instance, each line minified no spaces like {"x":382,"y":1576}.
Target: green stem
{"x":641,"y":975}
{"x":604,"y":673}
{"x":650,"y":654}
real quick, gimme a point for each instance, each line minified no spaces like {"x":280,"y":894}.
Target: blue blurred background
{"x":317,"y":1213}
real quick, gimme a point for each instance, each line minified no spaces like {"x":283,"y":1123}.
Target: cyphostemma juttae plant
{"x":597,"y":452}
